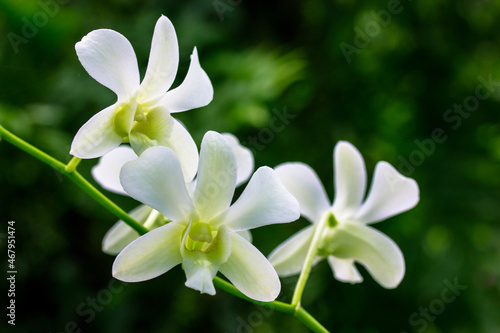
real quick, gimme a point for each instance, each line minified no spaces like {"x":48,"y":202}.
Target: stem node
{"x":71,"y":166}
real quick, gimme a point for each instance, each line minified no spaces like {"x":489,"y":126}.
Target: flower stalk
{"x":312,"y":252}
{"x":298,"y":312}
{"x":71,"y":166}
{"x":70,"y":172}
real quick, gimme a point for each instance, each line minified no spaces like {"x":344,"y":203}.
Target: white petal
{"x":97,"y":136}
{"x":289,"y":257}
{"x":374,"y":250}
{"x":107,"y":170}
{"x":245,"y":234}
{"x":155,"y":178}
{"x":244,"y":158}
{"x":344,"y":270}
{"x":201,"y":267}
{"x":250,"y":272}
{"x":121,"y":234}
{"x":191,"y":186}
{"x":200,"y":274}
{"x":161,"y":129}
{"x":264,"y":201}
{"x":183,"y":145}
{"x":350,"y":180}
{"x":195,"y":91}
{"x":150,"y":255}
{"x":163,"y":61}
{"x":304,"y":184}
{"x":157,"y":129}
{"x":110,"y":59}
{"x":391,"y":193}
{"x":216,"y":178}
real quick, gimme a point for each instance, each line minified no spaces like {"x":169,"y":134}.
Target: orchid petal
{"x":195,"y":91}
{"x":374,"y":250}
{"x":179,"y":140}
{"x":110,"y":59}
{"x":289,"y":257}
{"x":97,"y":136}
{"x":156,"y":129}
{"x":304,"y":184}
{"x":245,"y":234}
{"x":107,"y":171}
{"x":150,"y":255}
{"x":250,"y":272}
{"x":156,"y":179}
{"x":350,"y":180}
{"x":391,"y":193}
{"x":183,"y":145}
{"x":244,"y":158}
{"x":264,"y":201}
{"x":163,"y":61}
{"x":344,"y":270}
{"x":216,"y":178}
{"x":121,"y":234}
{"x":191,"y":187}
{"x":201,"y":267}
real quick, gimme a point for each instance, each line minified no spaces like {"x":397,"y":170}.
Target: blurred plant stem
{"x":297,"y":311}
{"x":311,"y":255}
{"x":69,"y":170}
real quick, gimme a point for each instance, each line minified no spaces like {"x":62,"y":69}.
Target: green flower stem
{"x":300,"y":313}
{"x":71,"y":166}
{"x":106,"y":203}
{"x":69,"y":171}
{"x":311,"y":255}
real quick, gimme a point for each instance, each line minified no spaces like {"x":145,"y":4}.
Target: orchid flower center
{"x":140,"y":114}
{"x":200,"y":237}
{"x":332,"y":221}
{"x":326,"y":247}
{"x":128,"y":114}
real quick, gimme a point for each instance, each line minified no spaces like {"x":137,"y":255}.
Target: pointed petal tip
{"x":399,"y":178}
{"x":118,"y":274}
{"x":201,"y":282}
{"x":390,"y":194}
{"x":194,"y":92}
{"x":163,"y":19}
{"x":344,"y":270}
{"x":212,"y":135}
{"x":342,"y":144}
{"x":349,"y":180}
{"x":302,"y":182}
{"x":396,"y":279}
{"x":250,"y":272}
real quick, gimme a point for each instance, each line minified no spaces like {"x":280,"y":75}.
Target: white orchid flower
{"x":107,"y":174}
{"x":203,"y":232}
{"x":347,"y":238}
{"x":141,"y":114}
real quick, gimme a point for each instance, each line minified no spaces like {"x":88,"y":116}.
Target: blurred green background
{"x":347,"y":71}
